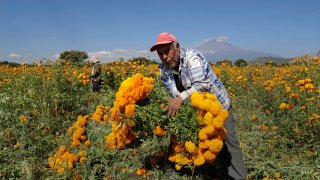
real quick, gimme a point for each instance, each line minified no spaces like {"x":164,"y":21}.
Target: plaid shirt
{"x":196,"y":75}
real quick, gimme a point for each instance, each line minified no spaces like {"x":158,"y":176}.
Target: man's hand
{"x":174,"y":104}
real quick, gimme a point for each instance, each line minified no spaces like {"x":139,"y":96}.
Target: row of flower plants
{"x":276,"y":108}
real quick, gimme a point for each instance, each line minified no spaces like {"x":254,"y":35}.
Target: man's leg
{"x":236,"y":168}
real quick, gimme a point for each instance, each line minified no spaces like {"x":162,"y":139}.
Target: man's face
{"x":169,"y":55}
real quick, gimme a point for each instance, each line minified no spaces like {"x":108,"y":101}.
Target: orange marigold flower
{"x":264,"y":128}
{"x":202,"y":134}
{"x":199,"y":161}
{"x":190,"y":147}
{"x":159,"y":131}
{"x":254,"y":117}
{"x":216,"y":146}
{"x":130,"y":110}
{"x":283,"y":106}
{"x":23,"y":118}
{"x":83,"y":138}
{"x":82,"y":153}
{"x":87,"y":143}
{"x":178,"y":167}
{"x":209,"y":156}
{"x":141,"y":171}
{"x":82,"y":159}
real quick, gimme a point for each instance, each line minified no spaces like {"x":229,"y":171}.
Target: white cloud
{"x":29,"y":55}
{"x":218,"y":39}
{"x":56,"y":56}
{"x":222,"y":38}
{"x":115,"y":54}
{"x":104,"y":52}
{"x":14,"y":55}
{"x":120,"y":50}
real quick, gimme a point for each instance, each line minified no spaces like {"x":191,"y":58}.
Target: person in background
{"x":184,"y":71}
{"x":95,"y":74}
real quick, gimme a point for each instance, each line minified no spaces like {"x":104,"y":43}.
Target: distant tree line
{"x":11,"y":64}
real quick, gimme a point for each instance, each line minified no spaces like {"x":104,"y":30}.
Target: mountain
{"x":215,"y":50}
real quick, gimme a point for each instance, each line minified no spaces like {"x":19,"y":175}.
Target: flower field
{"x":52,"y":126}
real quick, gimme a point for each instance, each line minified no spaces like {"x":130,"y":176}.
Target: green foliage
{"x":143,"y":60}
{"x":11,"y":64}
{"x":240,"y":62}
{"x":270,"y":63}
{"x":74,"y":56}
{"x":224,"y":62}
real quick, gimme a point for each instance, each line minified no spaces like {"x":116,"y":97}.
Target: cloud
{"x":29,"y":55}
{"x":56,"y":56}
{"x":222,"y":38}
{"x":15,"y":55}
{"x":218,"y":39}
{"x":120,"y":50}
{"x":115,"y":54}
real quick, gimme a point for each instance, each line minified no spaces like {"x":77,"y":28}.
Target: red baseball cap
{"x":163,"y":38}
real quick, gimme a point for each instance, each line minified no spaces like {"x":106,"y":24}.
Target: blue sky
{"x":32,"y":29}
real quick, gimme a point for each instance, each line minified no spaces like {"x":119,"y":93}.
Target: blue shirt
{"x":196,"y":75}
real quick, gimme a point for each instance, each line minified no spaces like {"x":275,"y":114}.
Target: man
{"x":184,"y":71}
{"x":95,"y":74}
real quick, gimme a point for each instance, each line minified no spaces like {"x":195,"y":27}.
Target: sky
{"x":35,"y":29}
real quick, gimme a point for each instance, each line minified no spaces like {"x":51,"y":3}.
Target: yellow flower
{"x":264,"y":128}
{"x":208,"y":118}
{"x":82,"y":153}
{"x":16,"y":145}
{"x":283,"y":106}
{"x":23,"y":118}
{"x":216,"y":146}
{"x":141,"y":171}
{"x":87,"y":143}
{"x":190,"y":147}
{"x":130,"y":110}
{"x":199,"y":161}
{"x":159,"y":131}
{"x":209,"y":156}
{"x":178,"y":167}
{"x":202,"y":134}
{"x":254,"y":117}
{"x":210,"y":130}
{"x":82,"y":159}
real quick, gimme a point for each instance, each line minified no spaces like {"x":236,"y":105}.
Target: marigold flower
{"x":82,"y":159}
{"x":208,"y":118}
{"x":210,"y":130}
{"x":209,"y":156}
{"x":141,"y":171}
{"x":199,"y":161}
{"x":254,"y":117}
{"x":23,"y":118}
{"x":159,"y":131}
{"x":190,"y":147}
{"x":202,"y":134}
{"x":87,"y":143}
{"x":216,"y":146}
{"x":283,"y":106}
{"x":83,"y":138}
{"x":82,"y":153}
{"x":130,"y":110}
{"x":178,"y":167}
{"x":264,"y":128}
